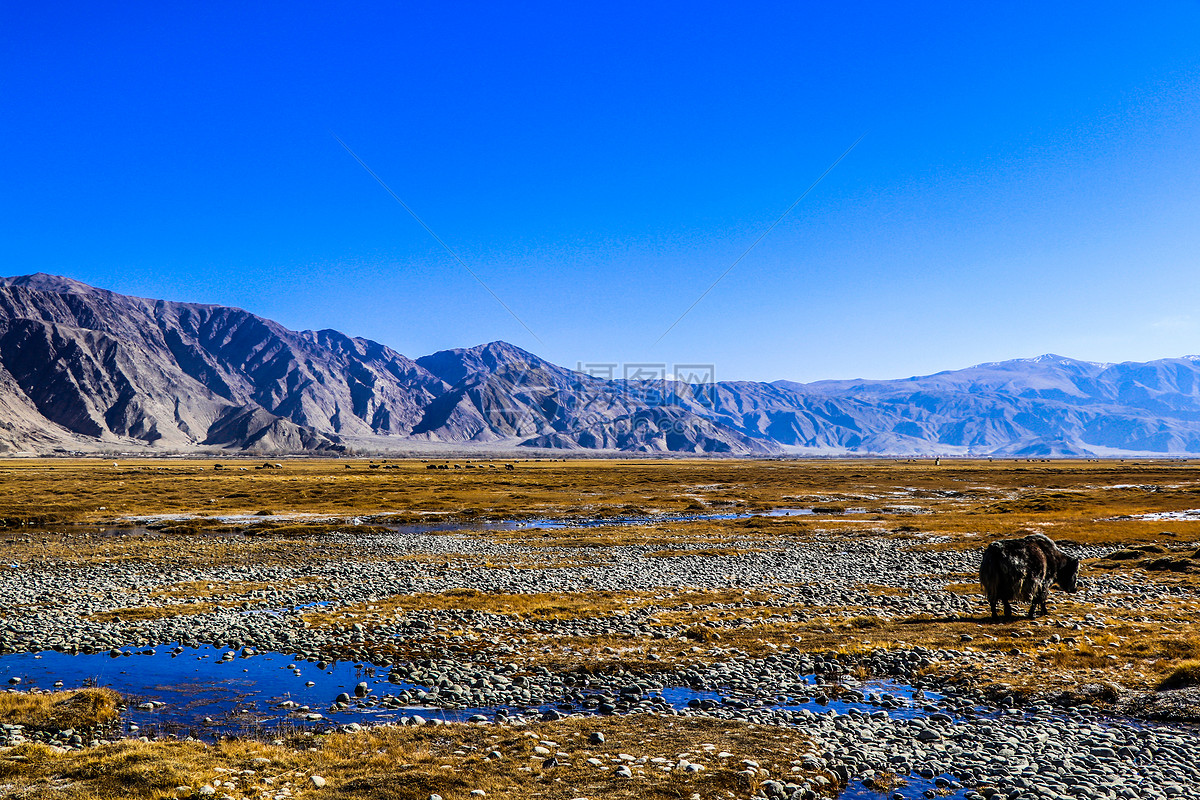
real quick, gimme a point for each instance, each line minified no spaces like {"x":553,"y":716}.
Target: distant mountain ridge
{"x":87,"y":369}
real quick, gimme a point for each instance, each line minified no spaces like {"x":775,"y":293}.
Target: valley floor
{"x":595,"y":629}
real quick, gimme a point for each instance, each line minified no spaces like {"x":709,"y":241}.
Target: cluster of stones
{"x":12,"y":735}
{"x":42,"y":608}
{"x":269,"y":786}
{"x":954,"y":746}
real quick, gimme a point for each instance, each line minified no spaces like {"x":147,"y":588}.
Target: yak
{"x":1024,"y":569}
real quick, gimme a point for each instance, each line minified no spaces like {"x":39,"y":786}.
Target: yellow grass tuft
{"x":1185,"y":675}
{"x":58,"y":711}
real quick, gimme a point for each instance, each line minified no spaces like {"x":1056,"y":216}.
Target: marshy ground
{"x":649,"y":573}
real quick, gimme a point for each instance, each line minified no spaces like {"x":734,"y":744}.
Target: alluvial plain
{"x":799,"y":602}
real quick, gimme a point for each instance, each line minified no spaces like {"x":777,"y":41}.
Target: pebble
{"x":1047,"y":753}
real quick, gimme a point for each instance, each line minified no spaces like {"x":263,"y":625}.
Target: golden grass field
{"x":987,"y":493}
{"x":50,"y":506}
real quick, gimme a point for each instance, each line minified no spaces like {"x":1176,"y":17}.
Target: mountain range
{"x":88,"y":370}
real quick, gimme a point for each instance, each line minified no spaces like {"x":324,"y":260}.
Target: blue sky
{"x":1029,"y":181}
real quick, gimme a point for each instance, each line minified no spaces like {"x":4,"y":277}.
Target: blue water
{"x":238,"y":696}
{"x":205,"y":694}
{"x":915,"y":787}
{"x":905,"y":706}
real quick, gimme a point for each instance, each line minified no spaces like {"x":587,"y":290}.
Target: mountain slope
{"x":117,"y":368}
{"x":502,"y":392}
{"x":82,"y":368}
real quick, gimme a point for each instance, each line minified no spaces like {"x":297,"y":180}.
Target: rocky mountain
{"x":82,"y":366}
{"x":86,"y":369}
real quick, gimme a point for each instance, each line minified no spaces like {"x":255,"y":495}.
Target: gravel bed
{"x":959,"y":745}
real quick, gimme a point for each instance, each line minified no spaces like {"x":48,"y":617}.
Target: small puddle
{"x":896,"y":700}
{"x":913,"y":787}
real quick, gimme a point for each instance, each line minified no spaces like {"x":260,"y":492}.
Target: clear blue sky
{"x":1029,"y":181}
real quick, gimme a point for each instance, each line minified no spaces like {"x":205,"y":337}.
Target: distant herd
{"x":469,"y":466}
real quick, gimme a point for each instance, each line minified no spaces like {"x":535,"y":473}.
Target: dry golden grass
{"x":536,"y":606}
{"x":136,"y":769}
{"x":92,"y":490}
{"x":1133,"y":651}
{"x":964,"y":504}
{"x":1184,"y":675}
{"x":57,"y":711}
{"x":412,"y":763}
{"x":558,"y":605}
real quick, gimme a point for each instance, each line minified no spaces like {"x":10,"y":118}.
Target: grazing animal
{"x":1024,"y":569}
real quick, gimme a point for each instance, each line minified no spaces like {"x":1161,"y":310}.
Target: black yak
{"x":1024,"y":569}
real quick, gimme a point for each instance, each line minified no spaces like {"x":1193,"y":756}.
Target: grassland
{"x":982,"y":496}
{"x":197,"y":515}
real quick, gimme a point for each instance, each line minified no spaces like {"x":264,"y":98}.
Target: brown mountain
{"x":87,"y":369}
{"x":82,"y":365}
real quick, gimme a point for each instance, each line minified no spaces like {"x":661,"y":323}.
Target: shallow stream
{"x":207,"y":691}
